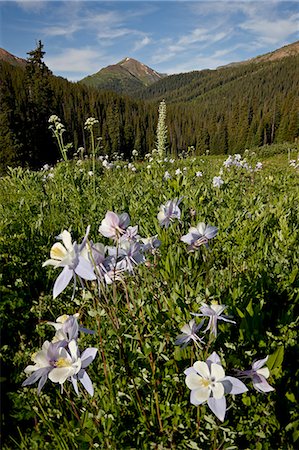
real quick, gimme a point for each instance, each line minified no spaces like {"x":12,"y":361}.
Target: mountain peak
{"x":143,"y":72}
{"x":12,"y":59}
{"x":127,"y":75}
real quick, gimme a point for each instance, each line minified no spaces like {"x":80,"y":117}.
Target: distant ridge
{"x":127,"y":76}
{"x":280,"y":53}
{"x":10,"y":58}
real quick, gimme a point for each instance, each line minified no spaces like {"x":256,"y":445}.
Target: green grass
{"x":141,"y":400}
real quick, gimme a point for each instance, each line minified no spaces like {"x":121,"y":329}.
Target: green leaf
{"x":275,"y":360}
{"x":249,"y":309}
{"x":240,"y":313}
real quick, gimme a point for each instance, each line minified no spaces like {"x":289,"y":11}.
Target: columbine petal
{"x":62,"y":281}
{"x":84,"y":269}
{"x":41,"y":359}
{"x":58,"y":251}
{"x":258,"y":364}
{"x":86,"y":381}
{"x":218,"y":390}
{"x":75,"y":384}
{"x":124,"y":220}
{"x":194,"y":381}
{"x":66,"y":238}
{"x":42,"y":382}
{"x":218,"y":407}
{"x":187,"y":238}
{"x":233,"y":386}
{"x":88,"y":356}
{"x":265,"y":372}
{"x":36,"y":376}
{"x":189,"y":371}
{"x":217,"y":372}
{"x":73,"y":349}
{"x":202,"y":369}
{"x":210,"y":231}
{"x":261,"y":384}
{"x":50,"y":262}
{"x":214,"y":358}
{"x":199,"y":396}
{"x":61,"y":374}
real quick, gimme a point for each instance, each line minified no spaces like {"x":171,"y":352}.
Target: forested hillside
{"x":220,"y":111}
{"x":233,"y":108}
{"x":29,"y":97}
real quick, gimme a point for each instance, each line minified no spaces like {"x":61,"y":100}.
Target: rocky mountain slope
{"x":126,"y":76}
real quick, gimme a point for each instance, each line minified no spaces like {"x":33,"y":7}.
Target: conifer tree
{"x":40,"y":146}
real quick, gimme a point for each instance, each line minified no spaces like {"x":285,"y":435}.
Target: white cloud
{"x":141,"y":43}
{"x":269,"y":31}
{"x":61,"y":30}
{"x":198,"y":38}
{"x":77,"y":60}
{"x":32,"y":5}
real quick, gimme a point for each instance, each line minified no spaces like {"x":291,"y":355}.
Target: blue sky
{"x":81,"y":37}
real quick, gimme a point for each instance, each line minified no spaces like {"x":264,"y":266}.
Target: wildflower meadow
{"x":150,"y":304}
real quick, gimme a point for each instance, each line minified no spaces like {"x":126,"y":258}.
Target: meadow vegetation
{"x":142,"y":306}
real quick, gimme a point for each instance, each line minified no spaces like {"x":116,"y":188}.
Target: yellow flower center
{"x":57,"y":252}
{"x":206,"y":383}
{"x":62,"y":362}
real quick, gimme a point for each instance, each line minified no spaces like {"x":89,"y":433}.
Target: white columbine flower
{"x":217,"y":181}
{"x":214,"y":313}
{"x":68,"y":255}
{"x":208,"y":383}
{"x":189,"y":333}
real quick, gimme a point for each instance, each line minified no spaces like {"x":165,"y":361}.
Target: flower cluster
{"x":237,"y":161}
{"x":206,"y":379}
{"x":61,"y":360}
{"x":90,"y":123}
{"x":56,"y":124}
{"x":91,"y":261}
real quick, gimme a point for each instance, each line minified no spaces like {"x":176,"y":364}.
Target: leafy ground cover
{"x":140,"y":397}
